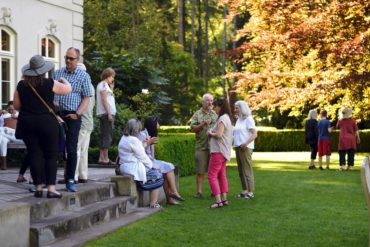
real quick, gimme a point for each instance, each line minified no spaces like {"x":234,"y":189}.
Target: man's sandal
{"x":216,"y":205}
{"x":225,"y":202}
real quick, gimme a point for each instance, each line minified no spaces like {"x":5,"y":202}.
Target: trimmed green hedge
{"x":294,"y":140}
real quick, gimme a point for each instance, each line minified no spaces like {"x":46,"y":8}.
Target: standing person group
{"x":318,"y":137}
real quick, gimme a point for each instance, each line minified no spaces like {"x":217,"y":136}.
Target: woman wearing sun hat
{"x":348,"y":138}
{"x":39,"y":127}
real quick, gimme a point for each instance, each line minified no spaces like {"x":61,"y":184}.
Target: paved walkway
{"x":10,"y":190}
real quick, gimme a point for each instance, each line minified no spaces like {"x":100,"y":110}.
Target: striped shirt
{"x":80,"y":82}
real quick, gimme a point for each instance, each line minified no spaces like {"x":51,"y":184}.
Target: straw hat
{"x":37,"y":66}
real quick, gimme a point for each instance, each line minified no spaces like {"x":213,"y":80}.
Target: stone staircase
{"x":70,"y":220}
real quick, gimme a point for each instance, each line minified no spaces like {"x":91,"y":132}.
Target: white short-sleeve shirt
{"x":242,"y":131}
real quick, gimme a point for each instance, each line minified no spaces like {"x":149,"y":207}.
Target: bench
{"x":365,"y":177}
{"x":16,"y":145}
{"x":126,"y":186}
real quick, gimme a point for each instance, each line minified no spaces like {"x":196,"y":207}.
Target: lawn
{"x":293,"y":206}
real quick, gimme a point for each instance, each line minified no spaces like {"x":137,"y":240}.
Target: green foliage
{"x":294,"y":140}
{"x":132,"y":75}
{"x":144,"y":105}
{"x":179,"y":150}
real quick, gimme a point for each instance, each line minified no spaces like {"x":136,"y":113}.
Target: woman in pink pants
{"x":220,"y":147}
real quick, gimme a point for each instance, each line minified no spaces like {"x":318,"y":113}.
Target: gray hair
{"x":206,"y":95}
{"x":245,"y":111}
{"x":133,"y":127}
{"x":312,"y":114}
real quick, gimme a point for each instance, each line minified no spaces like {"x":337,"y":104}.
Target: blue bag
{"x":154,"y":180}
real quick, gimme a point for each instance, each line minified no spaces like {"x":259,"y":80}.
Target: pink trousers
{"x":217,"y":174}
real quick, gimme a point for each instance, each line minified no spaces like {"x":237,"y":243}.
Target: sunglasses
{"x":70,"y":58}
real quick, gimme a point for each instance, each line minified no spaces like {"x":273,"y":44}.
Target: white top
{"x":242,"y":131}
{"x":223,"y":144}
{"x":132,"y":158}
{"x":1,"y":120}
{"x":103,"y":86}
{"x":87,"y":119}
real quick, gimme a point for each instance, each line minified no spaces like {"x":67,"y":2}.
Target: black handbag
{"x":154,"y":180}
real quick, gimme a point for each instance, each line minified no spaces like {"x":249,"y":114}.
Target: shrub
{"x":178,"y":149}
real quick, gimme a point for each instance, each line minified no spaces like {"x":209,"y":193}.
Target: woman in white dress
{"x":133,"y":159}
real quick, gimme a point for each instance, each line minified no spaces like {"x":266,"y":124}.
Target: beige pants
{"x":82,"y":154}
{"x":245,"y":168}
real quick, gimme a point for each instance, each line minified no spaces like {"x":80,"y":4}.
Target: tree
{"x":303,"y":54}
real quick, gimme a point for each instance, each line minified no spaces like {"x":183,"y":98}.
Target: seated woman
{"x":149,"y":136}
{"x":133,"y":159}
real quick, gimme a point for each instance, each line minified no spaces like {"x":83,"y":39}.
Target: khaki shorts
{"x":201,"y":161}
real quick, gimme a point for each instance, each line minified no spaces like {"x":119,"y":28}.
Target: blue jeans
{"x":71,"y":146}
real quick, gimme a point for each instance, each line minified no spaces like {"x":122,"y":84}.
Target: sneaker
{"x":32,"y":188}
{"x":250,"y":195}
{"x":311,"y":167}
{"x":321,"y":168}
{"x":198,"y":195}
{"x":70,"y":186}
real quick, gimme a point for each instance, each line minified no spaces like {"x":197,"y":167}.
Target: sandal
{"x":216,"y":205}
{"x":156,"y":205}
{"x":225,"y":202}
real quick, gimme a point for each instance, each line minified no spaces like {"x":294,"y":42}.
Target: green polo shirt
{"x":201,"y":140}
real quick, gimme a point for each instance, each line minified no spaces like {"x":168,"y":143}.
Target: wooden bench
{"x":126,"y":186}
{"x":16,"y":145}
{"x":365,"y":177}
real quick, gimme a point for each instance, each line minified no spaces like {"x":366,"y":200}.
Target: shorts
{"x":201,"y":161}
{"x":324,"y":147}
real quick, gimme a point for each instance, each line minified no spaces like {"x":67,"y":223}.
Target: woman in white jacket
{"x":133,"y":159}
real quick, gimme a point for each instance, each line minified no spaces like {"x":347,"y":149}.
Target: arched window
{"x":50,"y":51}
{"x":7,"y":67}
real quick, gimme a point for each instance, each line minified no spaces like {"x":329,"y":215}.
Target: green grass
{"x":293,"y":207}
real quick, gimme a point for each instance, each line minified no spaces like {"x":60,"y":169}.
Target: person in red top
{"x":348,"y":138}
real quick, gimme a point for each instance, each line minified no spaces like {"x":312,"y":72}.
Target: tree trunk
{"x":206,"y":69}
{"x":181,"y":12}
{"x":224,"y":56}
{"x":199,"y":37}
{"x":192,"y":26}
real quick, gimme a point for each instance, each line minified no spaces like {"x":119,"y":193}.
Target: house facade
{"x":30,"y":27}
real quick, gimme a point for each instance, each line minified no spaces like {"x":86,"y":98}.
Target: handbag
{"x":154,"y":180}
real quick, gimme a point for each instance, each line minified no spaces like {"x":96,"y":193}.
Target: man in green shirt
{"x":201,"y":122}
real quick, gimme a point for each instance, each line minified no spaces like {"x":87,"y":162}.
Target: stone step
{"x":79,"y":238}
{"x":46,"y":230}
{"x":87,"y":194}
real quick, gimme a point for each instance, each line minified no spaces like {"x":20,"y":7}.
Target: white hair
{"x":312,"y":114}
{"x":133,"y":127}
{"x":245,"y":111}
{"x":206,"y":95}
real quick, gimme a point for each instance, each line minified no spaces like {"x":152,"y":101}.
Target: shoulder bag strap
{"x":43,"y":101}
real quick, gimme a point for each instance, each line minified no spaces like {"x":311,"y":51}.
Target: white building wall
{"x":32,"y":20}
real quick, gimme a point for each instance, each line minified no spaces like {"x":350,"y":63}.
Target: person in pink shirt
{"x":348,"y":138}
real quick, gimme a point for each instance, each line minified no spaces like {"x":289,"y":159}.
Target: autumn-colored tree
{"x":302,"y":54}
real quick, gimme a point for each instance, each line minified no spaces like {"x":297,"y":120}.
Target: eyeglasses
{"x":70,"y":58}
